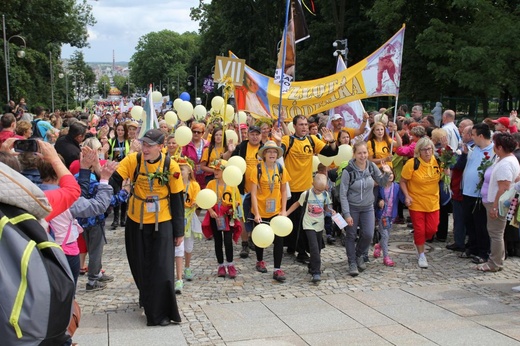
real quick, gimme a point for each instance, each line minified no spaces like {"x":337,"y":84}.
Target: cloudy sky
{"x":120,"y":24}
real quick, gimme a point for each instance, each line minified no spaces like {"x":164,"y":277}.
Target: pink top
{"x":61,"y":199}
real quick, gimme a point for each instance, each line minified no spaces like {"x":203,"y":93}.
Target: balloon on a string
{"x":230,"y":134}
{"x":228,"y":113}
{"x":206,"y":198}
{"x":326,"y":160}
{"x":242,"y":117}
{"x":184,"y":96}
{"x":262,"y":235}
{"x":185,"y":111}
{"x":345,"y":153}
{"x":232,"y":176}
{"x":315,"y":163}
{"x":171,"y":118}
{"x":176,"y":104}
{"x":136,"y":112}
{"x":183,"y":135}
{"x":282,"y":226}
{"x":156,"y":96}
{"x":239,"y":162}
{"x":217,"y":102}
{"x":199,"y":112}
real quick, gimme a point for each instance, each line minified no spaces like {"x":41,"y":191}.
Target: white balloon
{"x":239,"y":162}
{"x":344,"y":154}
{"x":171,"y":118}
{"x":156,"y":96}
{"x":217,"y":102}
{"x":200,"y":112}
{"x":326,"y":160}
{"x":242,"y":117}
{"x":183,"y":135}
{"x":185,"y":111}
{"x":315,"y":163}
{"x":177,"y":103}
{"x":136,"y":112}
{"x":290,"y":126}
{"x":231,"y":135}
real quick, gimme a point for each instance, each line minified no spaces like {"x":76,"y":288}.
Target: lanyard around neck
{"x":150,"y":180}
{"x":270,"y":179}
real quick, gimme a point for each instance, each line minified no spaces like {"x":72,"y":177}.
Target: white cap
{"x":336,"y":117}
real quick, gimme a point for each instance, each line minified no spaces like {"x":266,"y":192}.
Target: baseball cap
{"x":336,"y":117}
{"x":243,"y":126}
{"x":153,"y":137}
{"x":502,"y":120}
{"x":255,"y":129}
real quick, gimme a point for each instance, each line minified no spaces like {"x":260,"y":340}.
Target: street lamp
{"x":339,"y":44}
{"x":20,"y":54}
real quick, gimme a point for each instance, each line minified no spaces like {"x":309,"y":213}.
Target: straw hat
{"x":269,"y":145}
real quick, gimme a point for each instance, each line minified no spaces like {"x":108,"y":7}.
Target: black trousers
{"x":475,"y":220}
{"x":220,"y":237}
{"x":297,"y":239}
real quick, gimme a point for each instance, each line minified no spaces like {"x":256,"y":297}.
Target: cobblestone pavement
{"x":445,"y":268}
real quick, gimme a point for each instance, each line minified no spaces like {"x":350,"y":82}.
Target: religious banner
{"x":377,"y":75}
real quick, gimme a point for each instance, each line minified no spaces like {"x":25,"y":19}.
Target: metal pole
{"x":6,"y":59}
{"x":67,"y":89}
{"x":195,"y":83}
{"x":52,"y":81}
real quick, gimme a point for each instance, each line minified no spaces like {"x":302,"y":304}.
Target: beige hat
{"x":269,"y":145}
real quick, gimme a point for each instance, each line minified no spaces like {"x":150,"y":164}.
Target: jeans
{"x":366,"y":220}
{"x":384,"y":229}
{"x":74,"y":267}
{"x":315,"y":241}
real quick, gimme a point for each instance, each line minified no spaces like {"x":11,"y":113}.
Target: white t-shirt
{"x":314,"y":217}
{"x":504,"y":169}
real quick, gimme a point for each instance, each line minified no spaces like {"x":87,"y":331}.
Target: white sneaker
{"x":423,"y":262}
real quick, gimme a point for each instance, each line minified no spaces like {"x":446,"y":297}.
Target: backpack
{"x":35,"y":129}
{"x":445,"y":197}
{"x":259,"y":170}
{"x":92,"y":191}
{"x":36,"y":282}
{"x":291,"y":142}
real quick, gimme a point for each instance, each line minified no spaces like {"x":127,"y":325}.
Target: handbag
{"x":74,"y":319}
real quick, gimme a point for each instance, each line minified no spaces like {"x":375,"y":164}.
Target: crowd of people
{"x":151,"y":184}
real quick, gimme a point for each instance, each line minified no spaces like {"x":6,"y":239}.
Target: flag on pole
{"x":121,"y":105}
{"x":149,"y":117}
{"x":296,"y":31}
{"x":351,"y":112}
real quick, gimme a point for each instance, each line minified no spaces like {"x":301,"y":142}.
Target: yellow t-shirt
{"x":299,"y":161}
{"x":190,"y":193}
{"x":227,"y":195}
{"x":216,"y":154}
{"x":382,"y":151}
{"x":126,"y":170}
{"x":264,"y":197}
{"x":351,"y":132}
{"x":251,"y":162}
{"x":423,"y":184}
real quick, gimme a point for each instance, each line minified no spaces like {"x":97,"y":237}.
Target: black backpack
{"x":291,"y":143}
{"x":35,"y":129}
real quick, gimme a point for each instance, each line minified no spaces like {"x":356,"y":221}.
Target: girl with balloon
{"x":221,"y":221}
{"x":268,"y":199}
{"x":216,"y":150}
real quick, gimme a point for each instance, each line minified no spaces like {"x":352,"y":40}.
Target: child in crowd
{"x":329,"y":226}
{"x":268,"y":199}
{"x":220,"y":221}
{"x":388,"y":198}
{"x":192,"y":226}
{"x":316,"y":202}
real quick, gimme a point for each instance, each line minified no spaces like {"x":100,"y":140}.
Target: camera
{"x":26,"y":145}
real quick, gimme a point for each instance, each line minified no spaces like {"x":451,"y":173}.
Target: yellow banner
{"x":377,"y":75}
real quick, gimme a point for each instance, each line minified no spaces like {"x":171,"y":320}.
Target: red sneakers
{"x":221,"y":271}
{"x":260,"y":266}
{"x":232,"y":271}
{"x":387,"y":261}
{"x":377,"y":251}
{"x":279,"y":275}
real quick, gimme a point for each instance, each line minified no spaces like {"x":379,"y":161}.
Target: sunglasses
{"x":197,"y":132}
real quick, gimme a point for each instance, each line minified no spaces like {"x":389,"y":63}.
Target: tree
{"x":103,"y":86}
{"x":162,"y":55}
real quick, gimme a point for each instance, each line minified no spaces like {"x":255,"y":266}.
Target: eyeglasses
{"x":426,"y":149}
{"x":197,"y":132}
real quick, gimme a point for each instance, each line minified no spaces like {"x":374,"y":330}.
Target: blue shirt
{"x":470,"y":178}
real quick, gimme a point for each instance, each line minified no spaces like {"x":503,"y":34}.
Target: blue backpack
{"x":92,"y":191}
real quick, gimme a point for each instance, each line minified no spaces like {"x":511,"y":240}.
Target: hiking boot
{"x":330,"y":240}
{"x":361,"y":264}
{"x":387,"y":261}
{"x":244,"y":253}
{"x":115,"y":223}
{"x":106,"y":278}
{"x":221,"y":273}
{"x":377,"y":251}
{"x":353,"y":269}
{"x":423,"y":262}
{"x":279,"y":275}
{"x":316,"y":278}
{"x":232,"y":271}
{"x":260,"y":267}
{"x":178,"y":286}
{"x":188,"y":274}
{"x":96,"y":286}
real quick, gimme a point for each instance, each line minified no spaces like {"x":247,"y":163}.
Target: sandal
{"x":486,"y":268}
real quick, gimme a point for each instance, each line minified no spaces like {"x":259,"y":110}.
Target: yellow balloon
{"x":136,"y":112}
{"x":327,"y":161}
{"x":217,"y":102}
{"x":185,"y":111}
{"x":290,"y":126}
{"x":345,"y":153}
{"x":177,"y":103}
{"x":282,"y":226}
{"x":156,"y":96}
{"x":242,"y":117}
{"x":262,"y":235}
{"x":183,"y":135}
{"x":232,"y":176}
{"x":239,"y":162}
{"x":171,"y":118}
{"x":231,"y":135}
{"x":200,"y":112}
{"x":315,"y":163}
{"x":228,"y":113}
{"x":206,"y":199}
